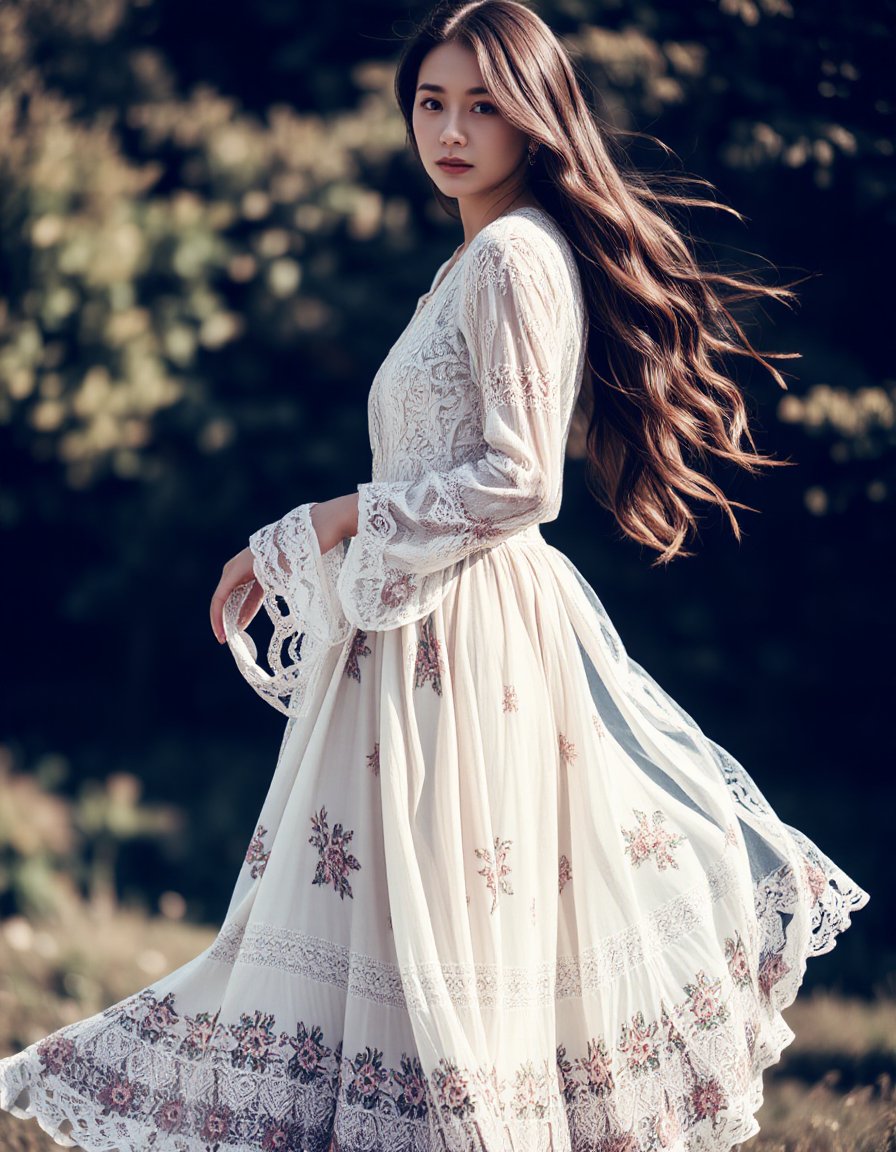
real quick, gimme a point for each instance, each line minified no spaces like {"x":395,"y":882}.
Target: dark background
{"x":211,"y":231}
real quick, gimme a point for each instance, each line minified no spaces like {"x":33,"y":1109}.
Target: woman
{"x":503,"y":893}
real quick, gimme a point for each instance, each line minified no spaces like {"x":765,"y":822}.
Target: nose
{"x":450,"y":133}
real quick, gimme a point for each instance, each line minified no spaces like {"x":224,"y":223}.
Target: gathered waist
{"x":531,"y":534}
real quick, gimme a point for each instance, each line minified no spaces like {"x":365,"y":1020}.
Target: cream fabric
{"x":503,"y":894}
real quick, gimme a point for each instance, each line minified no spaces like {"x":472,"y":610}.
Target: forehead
{"x":452,"y":67}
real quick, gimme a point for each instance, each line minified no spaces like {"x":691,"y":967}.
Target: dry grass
{"x":833,"y":1090}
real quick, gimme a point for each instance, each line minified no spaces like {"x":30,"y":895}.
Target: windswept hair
{"x":654,"y":399}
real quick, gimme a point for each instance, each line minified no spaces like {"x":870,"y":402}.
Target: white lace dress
{"x":503,"y":895}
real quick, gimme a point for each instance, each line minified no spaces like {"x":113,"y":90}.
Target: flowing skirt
{"x":503,"y":895}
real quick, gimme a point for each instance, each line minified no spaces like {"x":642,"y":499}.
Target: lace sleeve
{"x":517,"y":319}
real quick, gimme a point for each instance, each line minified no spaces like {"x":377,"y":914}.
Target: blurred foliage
{"x":211,"y":230}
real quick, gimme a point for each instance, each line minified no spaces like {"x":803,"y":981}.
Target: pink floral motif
{"x":531,"y":1092}
{"x":56,"y":1052}
{"x":255,"y":1038}
{"x":366,"y":1078}
{"x":398,"y":590}
{"x":160,"y":1016}
{"x":428,"y":665}
{"x":309,"y":1050}
{"x":510,"y":703}
{"x":731,"y":835}
{"x":452,"y":1088}
{"x":495,"y":869}
{"x":565,"y":872}
{"x":335,"y":862}
{"x":644,"y":841}
{"x":373,"y":760}
{"x":411,"y":1100}
{"x":216,"y":1123}
{"x":596,"y":1068}
{"x":170,"y":1115}
{"x":256,"y":855}
{"x":772,"y":967}
{"x":638,"y":1041}
{"x":359,"y":648}
{"x":707,"y":1098}
{"x":598,"y":724}
{"x":532,"y":916}
{"x":200,"y":1029}
{"x":280,"y":1136}
{"x":567,"y":749}
{"x":119,"y":1095}
{"x":738,"y":964}
{"x":704,"y":1001}
{"x":816,"y":880}
{"x":565,"y":1077}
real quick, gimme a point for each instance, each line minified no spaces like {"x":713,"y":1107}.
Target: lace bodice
{"x":469,"y":416}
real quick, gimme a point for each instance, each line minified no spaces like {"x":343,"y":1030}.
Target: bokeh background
{"x":211,"y":231}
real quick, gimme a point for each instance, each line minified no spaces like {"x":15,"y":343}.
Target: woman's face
{"x":453,"y":117}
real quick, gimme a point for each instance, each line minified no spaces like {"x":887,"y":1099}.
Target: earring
{"x":533,"y":148}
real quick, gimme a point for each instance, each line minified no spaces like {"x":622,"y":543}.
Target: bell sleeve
{"x":519,"y":320}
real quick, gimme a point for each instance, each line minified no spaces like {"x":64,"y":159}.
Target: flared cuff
{"x":300,"y":597}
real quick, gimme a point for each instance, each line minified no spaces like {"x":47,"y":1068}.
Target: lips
{"x":453,"y":165}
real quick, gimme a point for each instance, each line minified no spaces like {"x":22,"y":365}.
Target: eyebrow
{"x":439,"y":88}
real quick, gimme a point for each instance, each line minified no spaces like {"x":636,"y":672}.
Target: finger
{"x":216,"y":611}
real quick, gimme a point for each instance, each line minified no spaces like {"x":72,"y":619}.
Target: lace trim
{"x":299,"y":587}
{"x":486,"y":985}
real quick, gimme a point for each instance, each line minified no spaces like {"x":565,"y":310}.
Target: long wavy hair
{"x":654,"y":399}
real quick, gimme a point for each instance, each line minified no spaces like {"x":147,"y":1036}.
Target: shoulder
{"x":525,"y":247}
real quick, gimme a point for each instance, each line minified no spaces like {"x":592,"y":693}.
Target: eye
{"x":479,"y":103}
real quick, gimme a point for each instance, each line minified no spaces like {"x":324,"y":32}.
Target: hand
{"x":335,"y":519}
{"x":237,"y":570}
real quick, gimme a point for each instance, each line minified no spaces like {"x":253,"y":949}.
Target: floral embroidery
{"x":398,"y":590}
{"x":567,"y":749}
{"x":532,"y":1093}
{"x":596,"y":1068}
{"x":428,"y":663}
{"x":216,"y":1124}
{"x":452,"y":1089}
{"x":598,"y":724}
{"x":707,"y":1098}
{"x":638,"y":1042}
{"x":731,"y":835}
{"x":565,"y":872}
{"x":358,"y":648}
{"x":366,"y":1079}
{"x":738,"y":964}
{"x":704,"y":1001}
{"x":816,"y":880}
{"x":373,"y":760}
{"x":255,"y":1038}
{"x":495,"y":869}
{"x":55,"y":1053}
{"x":772,"y":966}
{"x":200,"y":1029}
{"x":120,"y":1095}
{"x":256,"y":855}
{"x":642,"y":841}
{"x":411,"y":1099}
{"x":510,"y":700}
{"x":309,"y":1052}
{"x":335,"y":863}
{"x":532,"y":911}
{"x":159,"y":1018}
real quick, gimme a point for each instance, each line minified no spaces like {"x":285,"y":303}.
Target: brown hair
{"x":653,"y":393}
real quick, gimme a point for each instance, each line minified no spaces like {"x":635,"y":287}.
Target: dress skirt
{"x":503,"y":895}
